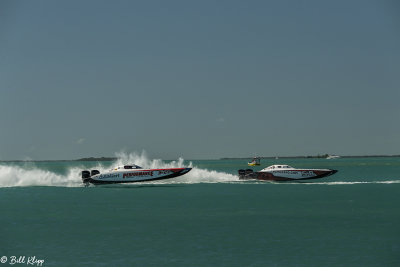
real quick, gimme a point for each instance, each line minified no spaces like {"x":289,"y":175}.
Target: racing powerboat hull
{"x":285,"y":173}
{"x":298,"y":175}
{"x":132,"y":175}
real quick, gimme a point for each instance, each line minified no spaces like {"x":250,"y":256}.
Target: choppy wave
{"x":14,"y":176}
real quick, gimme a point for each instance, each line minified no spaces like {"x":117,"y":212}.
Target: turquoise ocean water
{"x":205,"y":218}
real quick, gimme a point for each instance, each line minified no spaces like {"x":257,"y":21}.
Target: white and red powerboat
{"x":131,"y":174}
{"x":285,"y":173}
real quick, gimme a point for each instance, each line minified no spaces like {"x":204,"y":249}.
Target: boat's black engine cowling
{"x":85,"y":176}
{"x":94,"y":172}
{"x":246,"y":174}
{"x":249,"y":172}
{"x":241,"y":173}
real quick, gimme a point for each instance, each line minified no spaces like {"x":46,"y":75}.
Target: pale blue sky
{"x":199,"y":79}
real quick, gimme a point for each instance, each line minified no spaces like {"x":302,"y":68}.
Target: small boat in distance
{"x":131,"y":174}
{"x":332,"y":157}
{"x":285,"y":173}
{"x":254,"y":162}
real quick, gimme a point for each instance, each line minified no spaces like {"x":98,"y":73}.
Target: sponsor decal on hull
{"x":110,"y":175}
{"x":294,"y":174}
{"x":141,"y":176}
{"x":315,"y":174}
{"x":130,"y":174}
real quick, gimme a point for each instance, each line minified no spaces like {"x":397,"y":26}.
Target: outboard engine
{"x":246,"y":174}
{"x":85,"y":176}
{"x":249,"y":174}
{"x":94,"y":172}
{"x":241,"y":173}
{"x":249,"y":171}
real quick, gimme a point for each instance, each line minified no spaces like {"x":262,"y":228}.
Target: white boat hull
{"x":285,"y":173}
{"x":294,"y":175}
{"x":136,"y":175}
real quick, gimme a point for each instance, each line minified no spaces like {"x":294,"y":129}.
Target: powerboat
{"x":332,"y":157}
{"x":131,"y":174}
{"x":285,"y":173}
{"x":254,"y":162}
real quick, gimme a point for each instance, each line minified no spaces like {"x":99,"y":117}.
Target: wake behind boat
{"x":131,"y":174}
{"x":285,"y":173}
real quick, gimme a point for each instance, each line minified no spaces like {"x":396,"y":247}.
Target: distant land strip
{"x":226,"y":158}
{"x":65,"y":160}
{"x":315,"y":157}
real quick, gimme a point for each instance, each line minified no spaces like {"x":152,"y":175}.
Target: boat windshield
{"x":130,"y":167}
{"x":279,"y":167}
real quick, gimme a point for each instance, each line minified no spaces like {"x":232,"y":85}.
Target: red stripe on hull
{"x":266,"y":176}
{"x":270,"y":177}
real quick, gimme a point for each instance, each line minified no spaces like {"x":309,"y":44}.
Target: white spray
{"x":196,"y":175}
{"x":12,"y":176}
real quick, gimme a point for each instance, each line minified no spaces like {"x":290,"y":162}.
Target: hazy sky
{"x":199,"y":79}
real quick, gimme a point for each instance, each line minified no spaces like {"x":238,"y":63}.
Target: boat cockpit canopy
{"x":280,"y":167}
{"x":130,"y":167}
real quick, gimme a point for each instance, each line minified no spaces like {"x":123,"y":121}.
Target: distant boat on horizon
{"x":332,"y":157}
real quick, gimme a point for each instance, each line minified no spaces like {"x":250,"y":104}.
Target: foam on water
{"x":196,"y":175}
{"x":11,"y":176}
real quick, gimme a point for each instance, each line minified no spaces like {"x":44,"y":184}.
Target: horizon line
{"x":222,"y":158}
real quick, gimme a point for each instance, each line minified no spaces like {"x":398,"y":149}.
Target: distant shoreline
{"x":225,"y":158}
{"x":318,"y":157}
{"x":65,"y":160}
